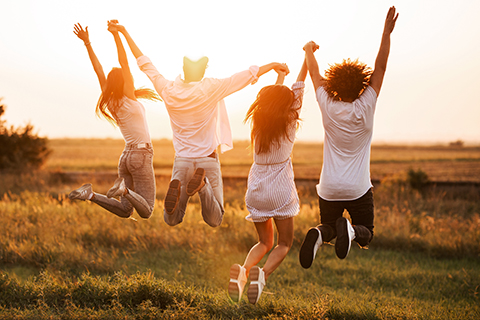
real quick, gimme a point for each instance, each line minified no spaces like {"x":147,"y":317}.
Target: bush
{"x":20,"y":148}
{"x":417,"y":180}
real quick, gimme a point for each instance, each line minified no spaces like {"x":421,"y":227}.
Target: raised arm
{"x":278,"y":67}
{"x":128,"y":86}
{"x":378,"y":74}
{"x":83,"y":35}
{"x":312,"y":64}
{"x":133,"y":46}
{"x":303,"y":71}
{"x":281,"y":75}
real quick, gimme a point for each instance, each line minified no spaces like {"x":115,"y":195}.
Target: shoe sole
{"x":172,"y":197}
{"x":113,"y":190}
{"x":233,"y":287}
{"x":75,"y":194}
{"x":343,"y":242}
{"x":308,"y":245}
{"x":253,"y":288}
{"x":197,"y":182}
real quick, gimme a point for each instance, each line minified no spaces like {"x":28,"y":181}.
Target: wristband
{"x":88,"y":43}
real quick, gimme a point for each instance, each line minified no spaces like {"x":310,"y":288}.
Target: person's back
{"x":200,"y":124}
{"x":348,"y":134}
{"x":347,"y":98}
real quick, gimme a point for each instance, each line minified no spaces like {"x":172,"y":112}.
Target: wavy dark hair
{"x":347,"y":80}
{"x":270,"y":115}
{"x":109,"y":100}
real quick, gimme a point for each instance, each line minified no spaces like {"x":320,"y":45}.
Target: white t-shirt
{"x":132,"y":122}
{"x":346,"y":152}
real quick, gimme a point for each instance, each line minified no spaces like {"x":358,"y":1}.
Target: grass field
{"x":73,"y":260}
{"x":441,"y":163}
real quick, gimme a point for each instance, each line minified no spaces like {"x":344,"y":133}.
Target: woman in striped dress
{"x":271,"y":196}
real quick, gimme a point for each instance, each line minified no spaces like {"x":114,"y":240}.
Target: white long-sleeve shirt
{"x":197,"y":111}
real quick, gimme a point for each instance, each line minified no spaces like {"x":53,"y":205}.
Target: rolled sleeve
{"x":254,"y":72}
{"x":298,"y":85}
{"x":298,"y":88}
{"x":143,"y":60}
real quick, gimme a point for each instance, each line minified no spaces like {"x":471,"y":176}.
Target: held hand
{"x":121,"y":28}
{"x":390,"y":20}
{"x":311,"y":46}
{"x":281,"y":68}
{"x":80,"y":33}
{"x":113,"y":26}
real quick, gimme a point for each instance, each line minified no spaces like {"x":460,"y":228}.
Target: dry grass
{"x":441,"y":163}
{"x":422,"y":263}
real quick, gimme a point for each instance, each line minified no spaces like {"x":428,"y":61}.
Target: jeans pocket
{"x":138,"y":160}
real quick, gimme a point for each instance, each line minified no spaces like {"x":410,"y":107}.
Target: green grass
{"x":63,"y":259}
{"x":73,"y":260}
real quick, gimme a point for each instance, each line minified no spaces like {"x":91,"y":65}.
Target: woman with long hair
{"x":118,"y":104}
{"x":271,"y":195}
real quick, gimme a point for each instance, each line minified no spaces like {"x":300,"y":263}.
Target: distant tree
{"x":20,"y":148}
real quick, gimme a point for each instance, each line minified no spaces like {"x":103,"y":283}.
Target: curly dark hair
{"x":347,"y":80}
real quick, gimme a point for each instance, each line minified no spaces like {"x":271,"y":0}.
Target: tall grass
{"x":43,"y":231}
{"x":62,"y":259}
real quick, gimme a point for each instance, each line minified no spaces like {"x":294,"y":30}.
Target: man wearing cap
{"x":200,"y":124}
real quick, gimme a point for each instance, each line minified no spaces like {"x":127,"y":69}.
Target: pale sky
{"x":429,"y":93}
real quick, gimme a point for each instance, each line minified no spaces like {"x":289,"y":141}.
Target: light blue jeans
{"x":136,"y":167}
{"x":211,"y":195}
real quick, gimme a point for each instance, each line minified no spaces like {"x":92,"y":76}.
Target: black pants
{"x":361,"y":211}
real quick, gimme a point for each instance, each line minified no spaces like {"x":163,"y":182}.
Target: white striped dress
{"x":271,"y":191}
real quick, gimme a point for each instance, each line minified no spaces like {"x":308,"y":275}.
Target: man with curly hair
{"x":347,"y":97}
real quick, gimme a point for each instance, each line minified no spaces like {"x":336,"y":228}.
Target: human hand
{"x":281,"y":68}
{"x":80,"y":33}
{"x":390,"y":20}
{"x":311,"y":46}
{"x":113,"y":26}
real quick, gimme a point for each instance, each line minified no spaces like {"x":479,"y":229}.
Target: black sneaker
{"x":345,"y":235}
{"x":310,"y":245}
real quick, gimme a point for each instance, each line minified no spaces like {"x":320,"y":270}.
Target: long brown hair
{"x":270,"y":116}
{"x":109,"y":101}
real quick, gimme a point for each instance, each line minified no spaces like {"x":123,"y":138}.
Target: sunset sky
{"x":429,"y":93}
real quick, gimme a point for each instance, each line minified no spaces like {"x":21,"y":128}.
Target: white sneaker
{"x":238,"y":279}
{"x":309,"y":248}
{"x":82,"y":193}
{"x":118,"y":188}
{"x":257,"y":283}
{"x":345,"y":235}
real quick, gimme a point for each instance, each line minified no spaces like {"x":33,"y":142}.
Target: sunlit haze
{"x":429,"y":93}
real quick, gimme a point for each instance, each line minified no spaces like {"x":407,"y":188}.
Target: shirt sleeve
{"x":298,"y":88}
{"x":322,"y":97}
{"x":368,"y":99}
{"x":152,"y":73}
{"x":236,"y":82}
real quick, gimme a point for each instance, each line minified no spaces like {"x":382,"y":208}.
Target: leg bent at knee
{"x":363,"y":235}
